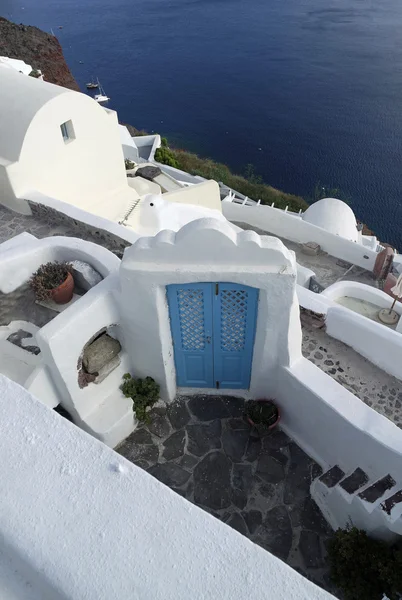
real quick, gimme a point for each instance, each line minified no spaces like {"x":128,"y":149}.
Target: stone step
{"x":377,"y":489}
{"x":355,"y":481}
{"x":392,"y":501}
{"x":333,"y":476}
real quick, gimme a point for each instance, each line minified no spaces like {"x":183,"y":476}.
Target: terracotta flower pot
{"x":264,"y":427}
{"x":64,"y":292}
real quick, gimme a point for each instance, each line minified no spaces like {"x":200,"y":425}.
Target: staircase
{"x":355,"y":498}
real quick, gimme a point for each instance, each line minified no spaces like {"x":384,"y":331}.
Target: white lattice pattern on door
{"x":233,"y":320}
{"x":191,"y":309}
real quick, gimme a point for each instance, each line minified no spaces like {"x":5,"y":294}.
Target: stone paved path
{"x":366,"y":381}
{"x":203,"y":449}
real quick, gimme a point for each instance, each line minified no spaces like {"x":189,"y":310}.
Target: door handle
{"x":208,"y":339}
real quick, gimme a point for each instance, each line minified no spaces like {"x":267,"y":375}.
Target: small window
{"x":67,"y":131}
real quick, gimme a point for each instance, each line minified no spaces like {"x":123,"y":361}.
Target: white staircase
{"x":355,"y":498}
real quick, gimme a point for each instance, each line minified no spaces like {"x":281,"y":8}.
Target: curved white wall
{"x":86,"y":171}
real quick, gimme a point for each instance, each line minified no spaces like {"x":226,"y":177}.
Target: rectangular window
{"x":67,"y":131}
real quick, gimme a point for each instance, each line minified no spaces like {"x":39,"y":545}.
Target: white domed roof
{"x":333,"y":215}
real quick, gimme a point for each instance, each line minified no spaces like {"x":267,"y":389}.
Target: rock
{"x":18,"y":338}
{"x":174,"y":445}
{"x":178,"y":414}
{"x":159,"y":425}
{"x":139,"y":436}
{"x":234,"y":405}
{"x":39,"y":49}
{"x":237,"y":522}
{"x":253,"y":519}
{"x":207,"y":408}
{"x":212,"y":481}
{"x":203,"y":438}
{"x":148,"y":172}
{"x":310,"y":549}
{"x":188,"y":462}
{"x":253,"y":449}
{"x":267,"y":490}
{"x":275,"y":534}
{"x":85,"y":276}
{"x":242,"y":477}
{"x":235,"y":442}
{"x":100,"y":352}
{"x":139,"y":453}
{"x":297,"y":485}
{"x":170,"y":474}
{"x":238,"y":424}
{"x":311,"y":248}
{"x":239,"y":499}
{"x":312,"y":518}
{"x":107,"y":369}
{"x":270,"y":469}
{"x":276,"y":440}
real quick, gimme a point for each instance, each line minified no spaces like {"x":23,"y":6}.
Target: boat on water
{"x":101,"y":97}
{"x":92,"y":85}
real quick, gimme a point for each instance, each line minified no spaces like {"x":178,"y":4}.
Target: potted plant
{"x":262,"y":414}
{"x":53,"y":281}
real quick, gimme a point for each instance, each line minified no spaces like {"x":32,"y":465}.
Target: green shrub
{"x":164,"y":142}
{"x":129,"y":164}
{"x":166,"y":157}
{"x":143,"y":392}
{"x":251,"y":186}
{"x":364,"y":568}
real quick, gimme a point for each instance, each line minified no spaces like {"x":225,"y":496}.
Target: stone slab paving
{"x":202,"y":448}
{"x":366,"y":381}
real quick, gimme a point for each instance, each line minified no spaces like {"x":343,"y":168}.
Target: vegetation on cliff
{"x":249,"y":183}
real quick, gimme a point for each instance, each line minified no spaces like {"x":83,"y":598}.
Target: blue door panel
{"x":190,"y":307}
{"x":213,"y":330}
{"x":235,"y":313}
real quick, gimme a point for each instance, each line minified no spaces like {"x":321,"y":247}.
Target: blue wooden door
{"x":190,"y":307}
{"x":213,"y":330}
{"x":235,"y":315}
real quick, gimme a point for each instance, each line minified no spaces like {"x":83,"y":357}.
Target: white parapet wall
{"x":334,"y":426}
{"x":80,"y":521}
{"x":100,"y":408}
{"x":338,"y":429}
{"x":285,"y":225}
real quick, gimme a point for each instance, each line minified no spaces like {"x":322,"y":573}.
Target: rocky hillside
{"x":37,"y":48}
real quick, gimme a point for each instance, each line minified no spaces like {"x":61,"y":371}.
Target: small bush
{"x":164,"y":142}
{"x":129,"y":164}
{"x":166,"y":157}
{"x":364,"y":568}
{"x":48,"y":277}
{"x":143,"y":392}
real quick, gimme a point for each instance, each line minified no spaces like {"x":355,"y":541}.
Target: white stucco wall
{"x":278,"y":222}
{"x":24,"y":256}
{"x":85,"y":171}
{"x":208,"y":250}
{"x":100,"y":408}
{"x":334,"y":426}
{"x":379,"y":344}
{"x":80,"y":521}
{"x":204,"y":194}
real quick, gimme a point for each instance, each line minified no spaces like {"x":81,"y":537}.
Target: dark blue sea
{"x":307,"y":91}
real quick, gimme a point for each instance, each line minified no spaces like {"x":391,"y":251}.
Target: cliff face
{"x":37,"y":48}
